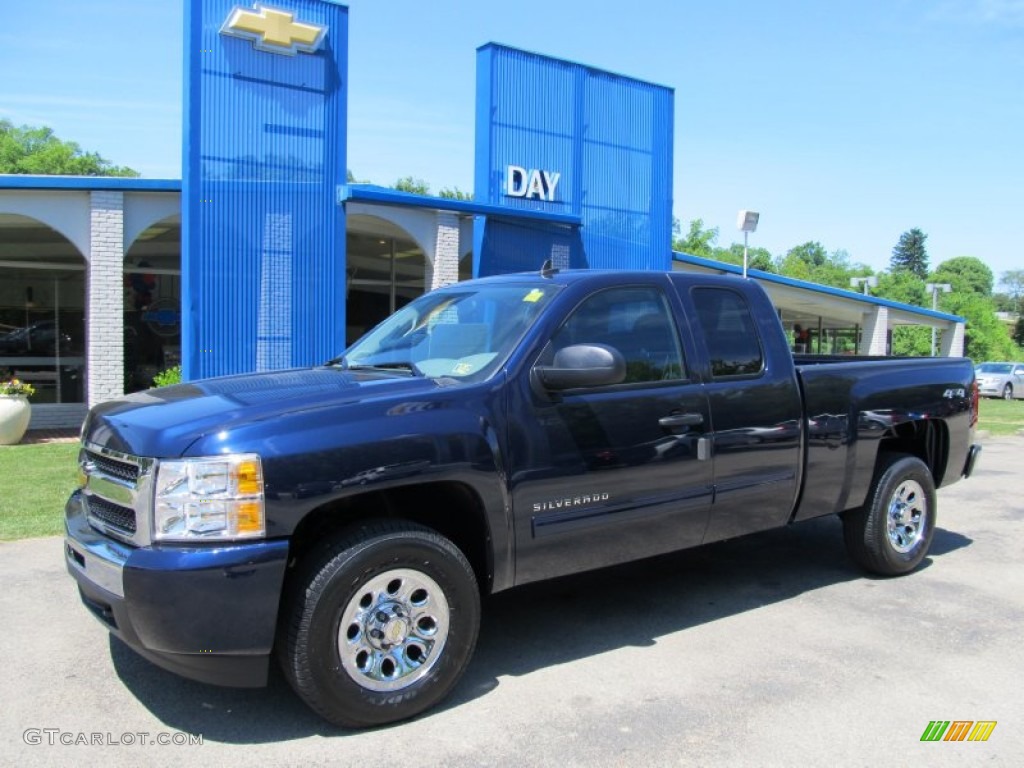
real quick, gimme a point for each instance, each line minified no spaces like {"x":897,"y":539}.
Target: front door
{"x":613,"y":473}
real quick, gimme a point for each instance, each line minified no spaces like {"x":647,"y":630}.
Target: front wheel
{"x":381,"y":625}
{"x":891,"y":534}
{"x":1008,"y":392}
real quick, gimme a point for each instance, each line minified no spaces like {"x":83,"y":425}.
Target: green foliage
{"x":810,"y":261}
{"x":1018,"y":332}
{"x":698,"y":241}
{"x":966,"y":274}
{"x":28,"y":150}
{"x":1004,"y":302}
{"x":1013,"y":282}
{"x":985,"y":337}
{"x":910,"y":255}
{"x":905,"y":287}
{"x":35,"y":482}
{"x":811,"y":253}
{"x":16,"y":387}
{"x":168,"y":377}
{"x":415,"y":186}
{"x":455,"y":194}
{"x":757,"y":258}
{"x":912,"y":341}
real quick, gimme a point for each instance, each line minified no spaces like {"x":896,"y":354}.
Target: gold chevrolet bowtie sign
{"x":273,"y":30}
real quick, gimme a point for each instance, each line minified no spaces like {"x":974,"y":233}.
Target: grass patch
{"x":1001,"y":417}
{"x":35,"y":481}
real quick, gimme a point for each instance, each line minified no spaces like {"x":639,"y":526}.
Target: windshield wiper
{"x":406,"y":365}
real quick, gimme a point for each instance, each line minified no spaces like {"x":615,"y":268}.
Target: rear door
{"x":612,"y":473}
{"x":756,"y":409}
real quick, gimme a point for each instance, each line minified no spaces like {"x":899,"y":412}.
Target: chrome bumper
{"x":96,"y":558}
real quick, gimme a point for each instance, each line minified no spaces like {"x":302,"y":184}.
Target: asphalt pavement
{"x":770,"y":650}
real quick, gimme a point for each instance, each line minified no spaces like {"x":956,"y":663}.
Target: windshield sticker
{"x":535,"y":295}
{"x":461,"y":369}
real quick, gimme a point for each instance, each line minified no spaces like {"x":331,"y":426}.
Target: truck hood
{"x":163,"y":423}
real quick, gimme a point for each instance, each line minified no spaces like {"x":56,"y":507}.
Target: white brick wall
{"x":105,"y":298}
{"x":446,"y":252}
{"x":952,"y":344}
{"x":874,"y":335}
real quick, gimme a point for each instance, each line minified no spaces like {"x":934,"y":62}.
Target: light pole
{"x":747,"y":223}
{"x":935,"y":288}
{"x":867,"y":282}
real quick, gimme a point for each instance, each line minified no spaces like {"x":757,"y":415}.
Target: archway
{"x":152,"y":303}
{"x":42,"y":310}
{"x":386,"y":269}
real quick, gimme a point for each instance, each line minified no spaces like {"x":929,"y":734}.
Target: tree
{"x":1013,"y":282}
{"x":904,"y":287}
{"x":1018,"y":332}
{"x":757,"y":258}
{"x":966,"y":274}
{"x":812,"y":253}
{"x":985,"y":336}
{"x":810,"y":261}
{"x":455,"y":194}
{"x":415,"y":186}
{"x":28,"y":150}
{"x":910,"y":255}
{"x":698,"y":241}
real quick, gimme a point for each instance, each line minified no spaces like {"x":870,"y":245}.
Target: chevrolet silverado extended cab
{"x":346,"y":519}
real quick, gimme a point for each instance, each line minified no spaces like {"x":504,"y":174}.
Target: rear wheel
{"x":1008,"y":392}
{"x":381,"y":625}
{"x":892,"y":533}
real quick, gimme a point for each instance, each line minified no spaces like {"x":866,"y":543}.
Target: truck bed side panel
{"x":852,"y":407}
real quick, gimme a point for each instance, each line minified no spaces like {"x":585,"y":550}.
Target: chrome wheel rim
{"x":908,"y":516}
{"x":393,"y":630}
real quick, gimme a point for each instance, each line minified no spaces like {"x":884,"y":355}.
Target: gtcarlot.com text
{"x":57,"y":737}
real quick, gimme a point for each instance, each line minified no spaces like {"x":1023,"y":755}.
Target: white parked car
{"x":1005,"y":380}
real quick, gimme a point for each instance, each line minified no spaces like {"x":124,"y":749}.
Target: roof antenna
{"x":548,"y":269}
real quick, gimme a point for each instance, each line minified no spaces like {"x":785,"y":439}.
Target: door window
{"x":730,"y":332}
{"x":637,"y":322}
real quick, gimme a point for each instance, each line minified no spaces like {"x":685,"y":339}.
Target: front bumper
{"x":207,"y":613}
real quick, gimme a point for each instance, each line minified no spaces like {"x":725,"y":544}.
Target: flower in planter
{"x":16,"y":387}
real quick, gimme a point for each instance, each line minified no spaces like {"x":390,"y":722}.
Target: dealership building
{"x":262,"y":256}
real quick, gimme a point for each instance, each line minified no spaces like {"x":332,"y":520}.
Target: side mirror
{"x":582,"y":365}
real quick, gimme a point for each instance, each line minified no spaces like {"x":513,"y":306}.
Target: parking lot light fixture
{"x":747,"y":223}
{"x":868,"y":282}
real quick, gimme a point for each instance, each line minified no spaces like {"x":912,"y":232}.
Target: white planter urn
{"x":15,"y":412}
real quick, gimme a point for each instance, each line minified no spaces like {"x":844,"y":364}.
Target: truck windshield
{"x":464,"y":331}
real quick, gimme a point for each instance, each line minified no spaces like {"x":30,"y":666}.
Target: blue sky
{"x":842,"y":122}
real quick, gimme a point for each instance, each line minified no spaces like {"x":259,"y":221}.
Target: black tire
{"x":380,"y":625}
{"x":1008,"y":392}
{"x":881,"y":543}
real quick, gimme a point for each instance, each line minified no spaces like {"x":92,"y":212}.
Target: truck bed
{"x":854,"y":403}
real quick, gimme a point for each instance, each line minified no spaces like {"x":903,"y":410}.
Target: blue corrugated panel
{"x":607,"y":137}
{"x":263,"y":258}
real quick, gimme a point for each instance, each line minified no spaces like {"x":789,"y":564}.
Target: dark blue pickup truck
{"x":347,"y":518}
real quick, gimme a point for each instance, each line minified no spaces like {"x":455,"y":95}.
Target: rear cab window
{"x":730,"y":333}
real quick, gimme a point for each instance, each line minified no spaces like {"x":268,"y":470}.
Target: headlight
{"x":216,"y":497}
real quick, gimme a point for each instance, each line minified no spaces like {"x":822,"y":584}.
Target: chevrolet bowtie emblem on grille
{"x":273,"y":30}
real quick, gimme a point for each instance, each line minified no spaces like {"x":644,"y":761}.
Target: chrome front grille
{"x":113,"y":467}
{"x":117,"y":492}
{"x":112,"y":514}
